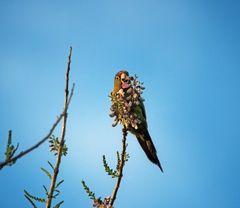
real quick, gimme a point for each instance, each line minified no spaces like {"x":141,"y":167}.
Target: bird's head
{"x":121,"y":81}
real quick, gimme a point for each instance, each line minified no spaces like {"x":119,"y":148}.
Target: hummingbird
{"x":122,"y":84}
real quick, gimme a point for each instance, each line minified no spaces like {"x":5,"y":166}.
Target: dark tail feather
{"x":147,"y":145}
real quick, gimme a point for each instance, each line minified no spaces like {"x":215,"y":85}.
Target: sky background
{"x":187,"y":55}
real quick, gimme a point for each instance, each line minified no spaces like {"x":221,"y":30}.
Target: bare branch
{"x":62,"y":140}
{"x":63,"y":114}
{"x":121,"y":165}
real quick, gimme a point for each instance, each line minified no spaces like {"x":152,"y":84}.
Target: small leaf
{"x":59,"y":183}
{"x":126,"y":157}
{"x":64,"y":150}
{"x":51,"y":165}
{"x":109,"y":171}
{"x":58,"y":192}
{"x":14,"y":150}
{"x":54,"y":144}
{"x":10,"y":149}
{"x":34,"y":197}
{"x":88,"y":191}
{"x":46,"y":191}
{"x":28,"y":198}
{"x":46,"y":172}
{"x":58,"y":204}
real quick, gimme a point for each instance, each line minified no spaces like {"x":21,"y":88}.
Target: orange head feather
{"x":118,"y":81}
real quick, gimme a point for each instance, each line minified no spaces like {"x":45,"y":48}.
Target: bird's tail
{"x":147,"y":145}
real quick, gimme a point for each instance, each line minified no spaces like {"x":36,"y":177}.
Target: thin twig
{"x":62,"y":140}
{"x":122,"y":162}
{"x":23,"y":153}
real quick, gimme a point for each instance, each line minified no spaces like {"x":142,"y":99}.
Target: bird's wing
{"x":143,"y":110}
{"x":141,"y":113}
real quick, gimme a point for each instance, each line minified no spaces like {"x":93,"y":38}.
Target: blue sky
{"x":186,"y":53}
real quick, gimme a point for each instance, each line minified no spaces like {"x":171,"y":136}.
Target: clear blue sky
{"x":187,"y":54}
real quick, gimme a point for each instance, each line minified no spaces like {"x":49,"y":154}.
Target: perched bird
{"x":121,"y":84}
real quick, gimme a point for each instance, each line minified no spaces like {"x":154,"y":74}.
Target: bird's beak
{"x":125,"y":80}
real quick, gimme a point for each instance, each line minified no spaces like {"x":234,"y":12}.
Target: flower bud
{"x":129,"y":90}
{"x":112,"y":114}
{"x":135,"y":95}
{"x":129,"y":97}
{"x":137,"y":102}
{"x":115,"y":123}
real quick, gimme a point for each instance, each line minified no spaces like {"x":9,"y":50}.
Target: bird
{"x":121,"y":84}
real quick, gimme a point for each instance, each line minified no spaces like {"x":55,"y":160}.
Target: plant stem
{"x":62,"y":140}
{"x":25,"y":152}
{"x":122,"y":162}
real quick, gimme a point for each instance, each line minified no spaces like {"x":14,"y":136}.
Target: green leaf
{"x":46,"y":191}
{"x":126,"y":157}
{"x":59,"y":183}
{"x":10,"y":149}
{"x":46,"y":172}
{"x":28,"y":198}
{"x":64,"y":150}
{"x":58,"y":192}
{"x":54,"y":144}
{"x":109,"y":171}
{"x":14,"y":150}
{"x":51,"y":165}
{"x":34,"y":197}
{"x":88,"y":191}
{"x":58,"y":204}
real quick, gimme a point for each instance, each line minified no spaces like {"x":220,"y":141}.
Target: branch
{"x":62,"y":140}
{"x":108,"y":201}
{"x":23,"y":153}
{"x":121,"y":165}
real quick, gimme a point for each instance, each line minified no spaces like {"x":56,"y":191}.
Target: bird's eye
{"x":117,"y":77}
